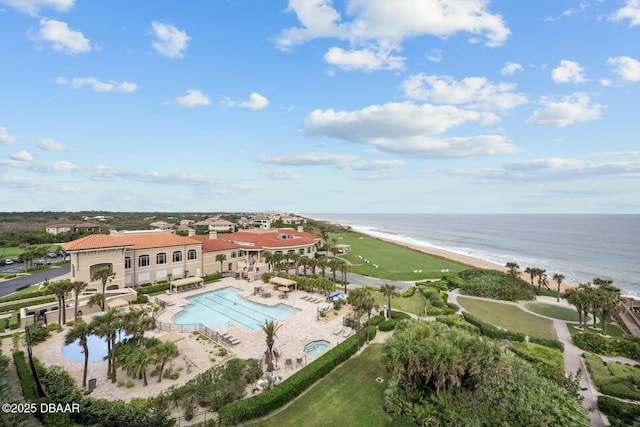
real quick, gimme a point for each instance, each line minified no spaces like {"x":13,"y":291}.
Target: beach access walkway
{"x":572,"y":355}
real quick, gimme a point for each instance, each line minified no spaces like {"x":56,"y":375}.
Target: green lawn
{"x":555,"y":311}
{"x":394,"y":262}
{"x":348,"y":396}
{"x":549,"y":356}
{"x":414,"y":304}
{"x":15,"y":251}
{"x":509,"y":316}
{"x":612,"y":330}
{"x":614,"y":379}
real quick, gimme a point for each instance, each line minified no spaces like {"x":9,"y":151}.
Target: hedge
{"x":399,"y":315}
{"x":493,"y":331}
{"x":619,"y":413}
{"x":375,"y":320}
{"x":457,"y":321}
{"x":408,"y":293}
{"x":153,"y":289}
{"x":13,"y":323}
{"x":27,"y":382}
{"x":23,"y":296}
{"x":270,"y":400}
{"x":547,"y":342}
{"x":387,"y":325}
{"x":19,"y":305}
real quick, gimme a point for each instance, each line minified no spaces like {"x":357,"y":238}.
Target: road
{"x":12,"y":285}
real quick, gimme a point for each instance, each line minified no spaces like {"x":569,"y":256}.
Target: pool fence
{"x":171,"y":327}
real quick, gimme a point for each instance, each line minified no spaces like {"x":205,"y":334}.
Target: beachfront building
{"x":149,"y":256}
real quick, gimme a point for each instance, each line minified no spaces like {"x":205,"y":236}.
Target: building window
{"x":192,"y":254}
{"x":301,"y":251}
{"x":161,"y":258}
{"x":233,"y":254}
{"x":309,"y":250}
{"x":177,"y":256}
{"x":143,"y":261}
{"x":127,"y":262}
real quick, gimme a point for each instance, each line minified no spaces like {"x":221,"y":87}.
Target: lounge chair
{"x":288,"y":363}
{"x":337,"y":331}
{"x":234,"y":341}
{"x":347,"y":332}
{"x":298,"y":361}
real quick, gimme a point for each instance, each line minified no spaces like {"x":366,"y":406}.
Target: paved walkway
{"x":572,"y":355}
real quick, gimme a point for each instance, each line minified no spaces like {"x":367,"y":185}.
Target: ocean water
{"x":581,"y":247}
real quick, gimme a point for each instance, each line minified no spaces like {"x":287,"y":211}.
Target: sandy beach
{"x":466,"y":260}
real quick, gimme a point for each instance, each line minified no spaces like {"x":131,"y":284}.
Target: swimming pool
{"x":227,"y":307}
{"x":97,"y":349}
{"x":316,"y":347}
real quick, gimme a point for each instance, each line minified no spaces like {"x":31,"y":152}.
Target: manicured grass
{"x":348,"y":396}
{"x":394,"y":262}
{"x":15,"y":251}
{"x":612,"y":330}
{"x":555,"y":311}
{"x":414,"y":304}
{"x":509,"y":317}
{"x":549,"y":356}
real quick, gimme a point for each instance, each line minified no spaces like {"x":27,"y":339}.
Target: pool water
{"x":316,"y":347}
{"x":226,"y":307}
{"x":97,"y":349}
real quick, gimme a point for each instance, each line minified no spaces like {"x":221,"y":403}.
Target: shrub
{"x":19,"y":305}
{"x":375,"y":320}
{"x":458,"y":321}
{"x":27,"y":382}
{"x":266,"y":277}
{"x":387,"y":325}
{"x":399,"y":315}
{"x":54,"y":327}
{"x":142,"y":299}
{"x":213,"y":277}
{"x":408,"y":293}
{"x":292,"y":387}
{"x":154,"y":289}
{"x":13,"y":322}
{"x":494,"y":284}
{"x":23,"y":296}
{"x":37,"y":333}
{"x":547,"y":342}
{"x":619,"y":413}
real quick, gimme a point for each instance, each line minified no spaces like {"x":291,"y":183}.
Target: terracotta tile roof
{"x":157,"y":240}
{"x":212,"y":245}
{"x":95,"y":241}
{"x":270,"y":239}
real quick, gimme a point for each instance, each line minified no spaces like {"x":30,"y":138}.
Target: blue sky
{"x":465,"y":106}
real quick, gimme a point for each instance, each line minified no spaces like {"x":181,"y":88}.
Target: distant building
{"x":215,"y":224}
{"x":161,"y":225}
{"x":87,"y":227}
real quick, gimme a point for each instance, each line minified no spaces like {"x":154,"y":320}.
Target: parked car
{"x":8,"y":261}
{"x":52,"y":255}
{"x":39,"y":262}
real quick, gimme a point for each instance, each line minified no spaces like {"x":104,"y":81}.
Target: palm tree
{"x":103,"y":274}
{"x":81,"y":331}
{"x":97,"y":299}
{"x":139,"y":362}
{"x":344,"y":269}
{"x":60,"y":288}
{"x":532,"y":272}
{"x":388,"y":291}
{"x":542,"y":279}
{"x":270,"y":329}
{"x":609,"y":300}
{"x":334,"y":265}
{"x":268,"y":258}
{"x":514,"y":271}
{"x":162,"y":353}
{"x":558,"y":278}
{"x":136,"y":323}
{"x":107,"y":326}
{"x":77,"y":287}
{"x":221,"y":258}
{"x":576,"y":297}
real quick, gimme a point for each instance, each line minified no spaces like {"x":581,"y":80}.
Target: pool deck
{"x":198,"y":355}
{"x":296,"y":331}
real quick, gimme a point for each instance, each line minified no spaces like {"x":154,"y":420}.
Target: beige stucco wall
{"x":155,"y":272}
{"x":210,"y":265}
{"x":84,"y":264}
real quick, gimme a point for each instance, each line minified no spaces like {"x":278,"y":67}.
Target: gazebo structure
{"x":185,"y":284}
{"x":118,"y":304}
{"x":281,"y":281}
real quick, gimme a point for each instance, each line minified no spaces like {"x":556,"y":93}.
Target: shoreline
{"x":462,"y":259}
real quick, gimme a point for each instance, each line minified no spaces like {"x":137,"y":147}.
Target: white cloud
{"x":605,"y":82}
{"x":435,"y":55}
{"x":363,"y":59}
{"x":48,"y":144}
{"x":62,"y":38}
{"x":21,"y":156}
{"x":33,"y":7}
{"x":630,"y":11}
{"x":568,"y":72}
{"x":97,"y":85}
{"x":510,"y":68}
{"x":381,"y":26}
{"x":373,"y":165}
{"x":168,"y":40}
{"x":626,"y":67}
{"x":255,"y":102}
{"x":193,"y":98}
{"x":571,"y":109}
{"x":281,"y":175}
{"x":405,"y":129}
{"x":5,"y":138}
{"x":473,"y":91}
{"x":308,"y":159}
